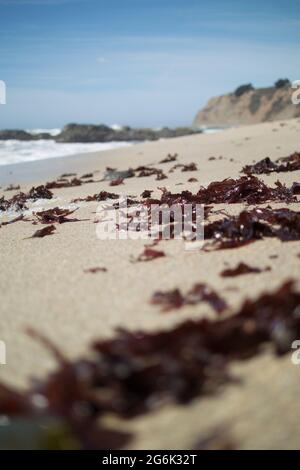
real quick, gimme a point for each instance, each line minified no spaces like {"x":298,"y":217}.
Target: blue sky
{"x":138,"y":62}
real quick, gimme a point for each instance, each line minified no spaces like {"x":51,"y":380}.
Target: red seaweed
{"x":18,"y":201}
{"x":247,"y":189}
{"x":116,"y":182}
{"x":150,"y":254}
{"x":12,"y":221}
{"x":11,"y":187}
{"x":169,"y":158}
{"x":55,"y":215}
{"x":44,"y":232}
{"x":134,"y":372}
{"x":186,"y":167}
{"x":146,"y":194}
{"x":256,"y":224}
{"x":242,"y":268}
{"x":40,"y":192}
{"x":174,"y":299}
{"x":95,"y":270}
{"x":102,"y":196}
{"x":267,"y":166}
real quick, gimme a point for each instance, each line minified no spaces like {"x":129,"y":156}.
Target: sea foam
{"x":16,"y":151}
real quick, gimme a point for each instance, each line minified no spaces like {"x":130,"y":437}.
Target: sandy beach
{"x":44,"y":285}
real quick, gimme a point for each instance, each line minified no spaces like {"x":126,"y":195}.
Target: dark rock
{"x":98,"y":133}
{"x":18,"y":134}
{"x":15,"y":134}
{"x":102,"y":133}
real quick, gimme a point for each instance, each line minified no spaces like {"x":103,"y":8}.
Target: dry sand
{"x":43,"y":285}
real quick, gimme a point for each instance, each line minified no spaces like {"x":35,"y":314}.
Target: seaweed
{"x":295,"y":188}
{"x":64,"y":183}
{"x":68,"y":175}
{"x":40,"y":192}
{"x":143,"y":171}
{"x":95,"y":270}
{"x":267,"y":166}
{"x":200,"y":292}
{"x":186,"y":167}
{"x":247,"y":189}
{"x":256,"y":224}
{"x":12,"y":221}
{"x":87,"y":176}
{"x":134,"y":372}
{"x":18,"y":201}
{"x":44,"y":232}
{"x":149,"y":254}
{"x":146,"y":193}
{"x":55,"y":215}
{"x":11,"y":187}
{"x":102,"y":196}
{"x":116,"y":182}
{"x":242,"y":268}
{"x":169,"y":158}
{"x":192,"y":180}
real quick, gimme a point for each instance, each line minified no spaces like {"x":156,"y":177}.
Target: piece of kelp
{"x":44,"y":232}
{"x":247,"y":189}
{"x":295,"y":188}
{"x":146,"y":193}
{"x":252,"y":225}
{"x":97,"y":269}
{"x":18,"y":201}
{"x":55,"y":215}
{"x":87,"y":176}
{"x":102,"y":196}
{"x":150,"y":254}
{"x":144,"y":171}
{"x":39,"y":192}
{"x":267,"y":166}
{"x":12,"y":187}
{"x":242,"y":268}
{"x":135,"y":372}
{"x":169,"y":158}
{"x":200,"y":292}
{"x":64,"y":183}
{"x":12,"y":221}
{"x":184,"y":167}
{"x":116,"y":182}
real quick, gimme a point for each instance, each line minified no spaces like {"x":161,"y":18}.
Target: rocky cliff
{"x":249,"y":106}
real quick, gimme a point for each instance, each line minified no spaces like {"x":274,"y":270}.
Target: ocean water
{"x":16,"y":151}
